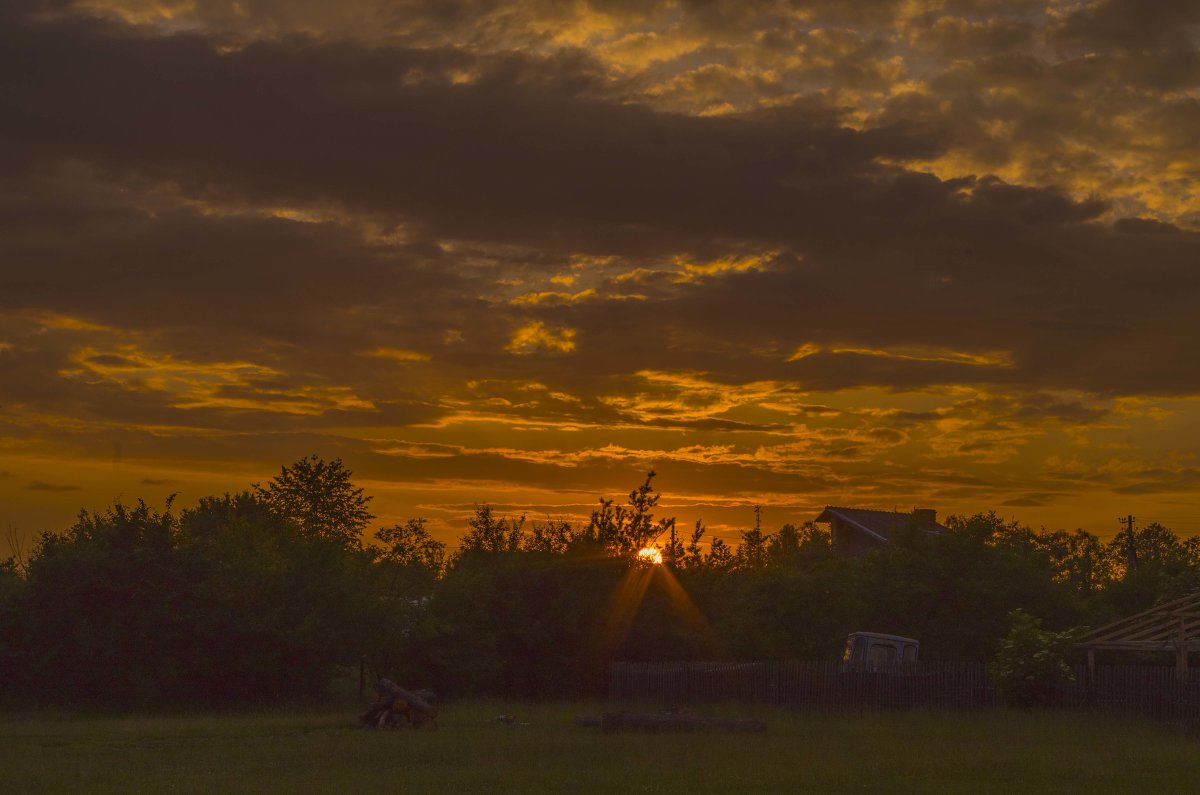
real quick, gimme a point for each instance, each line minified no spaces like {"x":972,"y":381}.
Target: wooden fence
{"x":1152,"y":691}
{"x":819,"y":685}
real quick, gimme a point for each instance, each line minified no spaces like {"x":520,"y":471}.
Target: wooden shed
{"x":1170,"y":627}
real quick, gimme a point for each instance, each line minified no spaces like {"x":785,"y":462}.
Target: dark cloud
{"x":1129,"y":24}
{"x":38,"y":485}
{"x":1025,"y":502}
{"x":279,"y":232}
{"x":959,"y":37}
{"x":109,"y":360}
{"x":485,"y":159}
{"x":1144,"y":226}
{"x":1161,"y":481}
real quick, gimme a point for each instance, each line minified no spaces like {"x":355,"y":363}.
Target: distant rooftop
{"x":882,"y":525}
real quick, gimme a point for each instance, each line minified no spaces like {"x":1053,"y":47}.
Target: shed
{"x":1172,"y":627}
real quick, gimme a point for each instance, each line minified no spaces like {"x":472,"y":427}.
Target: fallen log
{"x":418,"y":700}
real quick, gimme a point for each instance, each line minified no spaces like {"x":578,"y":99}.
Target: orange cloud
{"x":537,"y":336}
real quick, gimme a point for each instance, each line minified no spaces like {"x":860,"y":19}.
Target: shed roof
{"x":1169,"y":626}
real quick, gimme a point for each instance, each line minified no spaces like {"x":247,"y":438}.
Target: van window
{"x":910,"y":653}
{"x":883,"y":653}
{"x":848,"y":655}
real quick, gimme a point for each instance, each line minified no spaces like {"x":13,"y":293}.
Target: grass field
{"x":983,"y":752}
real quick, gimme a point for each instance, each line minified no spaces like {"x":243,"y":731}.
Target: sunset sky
{"x":938,"y":253}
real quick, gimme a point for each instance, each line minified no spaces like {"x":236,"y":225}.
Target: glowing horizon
{"x":933,"y":253}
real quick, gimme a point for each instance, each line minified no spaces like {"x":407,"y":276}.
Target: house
{"x":857,"y":531}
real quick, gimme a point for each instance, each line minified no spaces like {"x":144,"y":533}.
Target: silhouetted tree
{"x":1166,"y":568}
{"x":624,"y":530}
{"x":673,"y":550}
{"x":411,"y":545}
{"x":261,"y":596}
{"x":275,"y":611}
{"x":954,"y":592}
{"x":792,"y":547}
{"x":490,"y":533}
{"x":784,"y":612}
{"x":517,"y":622}
{"x":720,"y":555}
{"x":554,"y":536}
{"x":409,"y":562}
{"x":110,"y":596}
{"x":1078,"y":559}
{"x":752,"y":552}
{"x":14,"y":636}
{"x":693,"y":553}
{"x":319,"y":499}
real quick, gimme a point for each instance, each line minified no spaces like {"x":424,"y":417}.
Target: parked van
{"x":871,"y":649}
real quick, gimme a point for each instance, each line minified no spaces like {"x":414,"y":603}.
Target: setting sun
{"x":650,"y":555}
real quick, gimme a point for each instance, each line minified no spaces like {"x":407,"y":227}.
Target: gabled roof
{"x":882,"y":525}
{"x":1168,"y":626}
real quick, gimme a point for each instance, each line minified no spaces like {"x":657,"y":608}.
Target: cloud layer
{"x":786,"y":253}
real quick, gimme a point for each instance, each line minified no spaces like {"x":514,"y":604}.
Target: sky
{"x":936,"y":253}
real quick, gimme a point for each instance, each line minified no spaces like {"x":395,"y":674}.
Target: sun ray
{"x":689,"y":613}
{"x":624,"y":606}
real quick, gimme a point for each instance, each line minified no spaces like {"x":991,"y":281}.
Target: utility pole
{"x":1131,"y":559}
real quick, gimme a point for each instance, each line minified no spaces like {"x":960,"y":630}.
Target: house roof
{"x":1168,"y":626}
{"x":882,"y":525}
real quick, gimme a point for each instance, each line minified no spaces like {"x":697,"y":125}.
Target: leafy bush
{"x":1031,"y":662}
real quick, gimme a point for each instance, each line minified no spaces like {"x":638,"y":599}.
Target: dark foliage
{"x":262,"y":596}
{"x":226,"y":604}
{"x":318,"y":498}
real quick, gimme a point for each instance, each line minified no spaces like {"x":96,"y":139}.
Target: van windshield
{"x":883,"y":653}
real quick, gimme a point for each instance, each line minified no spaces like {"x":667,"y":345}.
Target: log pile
{"x":395,"y":706}
{"x":418,"y":701}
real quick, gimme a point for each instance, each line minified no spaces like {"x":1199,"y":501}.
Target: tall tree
{"x":720,"y":555}
{"x":752,"y":552}
{"x":554,"y":537}
{"x":792,"y":547}
{"x":319,"y":499}
{"x":411,"y":545}
{"x":693,"y":554}
{"x":1165,"y":568}
{"x":111,"y":595}
{"x":1079,"y":559}
{"x":491,"y":533}
{"x":625,"y":529}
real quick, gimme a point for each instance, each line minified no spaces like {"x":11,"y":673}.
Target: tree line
{"x":267,"y":595}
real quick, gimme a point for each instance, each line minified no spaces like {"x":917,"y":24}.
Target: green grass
{"x":982,"y":752}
